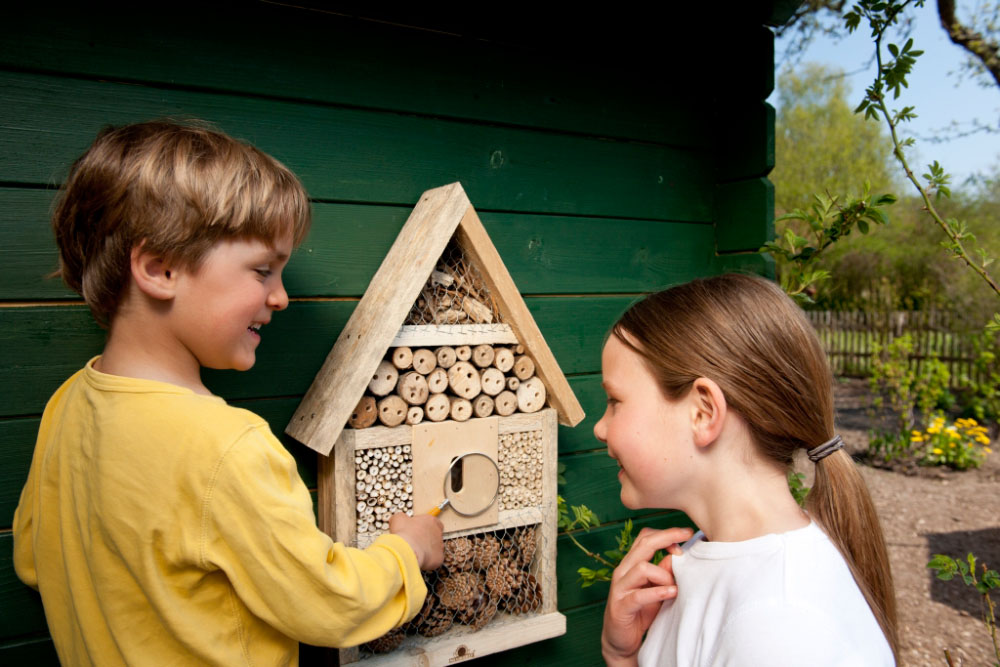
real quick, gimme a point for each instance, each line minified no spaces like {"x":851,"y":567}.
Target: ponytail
{"x":839,"y":502}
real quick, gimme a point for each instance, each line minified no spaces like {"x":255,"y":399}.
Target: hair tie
{"x":816,"y":454}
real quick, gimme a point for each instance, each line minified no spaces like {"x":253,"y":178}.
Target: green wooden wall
{"x":607,"y":157}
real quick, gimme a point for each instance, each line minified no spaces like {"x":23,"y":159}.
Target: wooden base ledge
{"x":455,"y":647}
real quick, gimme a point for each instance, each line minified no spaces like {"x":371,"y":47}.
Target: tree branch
{"x":986,"y":51}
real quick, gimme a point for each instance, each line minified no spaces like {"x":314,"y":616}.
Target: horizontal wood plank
{"x":355,"y":155}
{"x":42,"y":346}
{"x":337,"y":60}
{"x":544,"y":254}
{"x":21,"y":610}
{"x":744,"y":215}
{"x":34,"y":651}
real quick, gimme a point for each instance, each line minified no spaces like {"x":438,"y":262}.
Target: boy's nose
{"x":278,"y":298}
{"x":599,"y":430}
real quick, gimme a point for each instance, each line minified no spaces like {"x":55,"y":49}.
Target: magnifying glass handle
{"x":437,"y":510}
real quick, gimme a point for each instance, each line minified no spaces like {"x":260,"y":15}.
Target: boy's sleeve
{"x":24,"y":526}
{"x":260,"y":529}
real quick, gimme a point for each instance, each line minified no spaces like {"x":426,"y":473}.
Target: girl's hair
{"x":175,"y":188}
{"x":746,"y":335}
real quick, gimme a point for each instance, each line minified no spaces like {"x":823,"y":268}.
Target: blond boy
{"x":160,"y":525}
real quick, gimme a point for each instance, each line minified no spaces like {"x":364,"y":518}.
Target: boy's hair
{"x":174,"y":188}
{"x":747,"y":336}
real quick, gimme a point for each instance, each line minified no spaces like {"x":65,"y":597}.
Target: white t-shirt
{"x":785,"y":599}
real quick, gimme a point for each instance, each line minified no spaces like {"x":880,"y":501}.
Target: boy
{"x":160,"y":525}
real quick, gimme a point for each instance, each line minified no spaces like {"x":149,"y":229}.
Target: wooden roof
{"x":440,"y":214}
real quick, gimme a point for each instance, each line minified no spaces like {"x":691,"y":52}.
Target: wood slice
{"x":414,"y":415}
{"x":392,"y":410}
{"x":524,"y":367}
{"x":437,"y":380}
{"x":483,"y":406}
{"x":518,"y":349}
{"x":412,"y":388}
{"x":463,"y":352}
{"x":437,"y":407}
{"x":477,"y":310}
{"x":461,"y":409}
{"x":424,"y":361}
{"x":445,"y":356}
{"x":441,"y":278}
{"x":531,"y":395}
{"x":503,"y":359}
{"x":384,"y":379}
{"x":463,"y":378}
{"x":493,"y":381}
{"x":402,"y":358}
{"x":365,"y":414}
{"x":513,"y":383}
{"x":482,"y":355}
{"x":506,"y":403}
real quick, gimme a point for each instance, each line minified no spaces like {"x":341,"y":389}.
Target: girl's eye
{"x":612,"y":401}
{"x":263,"y":272}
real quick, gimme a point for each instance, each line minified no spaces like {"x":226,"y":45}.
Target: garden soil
{"x":926,"y":511}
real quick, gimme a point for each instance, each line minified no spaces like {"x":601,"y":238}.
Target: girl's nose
{"x":600,"y":431}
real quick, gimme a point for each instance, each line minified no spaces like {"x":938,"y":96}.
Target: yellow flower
{"x":983,"y":440}
{"x":933,"y":429}
{"x":987,"y":450}
{"x":916,"y":433}
{"x":951,"y":445}
{"x":937,"y":450}
{"x":953,"y":435}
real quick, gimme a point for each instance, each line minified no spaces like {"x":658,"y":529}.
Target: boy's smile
{"x":219,"y":308}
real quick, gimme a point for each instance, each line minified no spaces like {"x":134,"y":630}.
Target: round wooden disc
{"x":493,"y":381}
{"x":392,"y":410}
{"x":446,"y":356}
{"x":463,"y":378}
{"x":438,"y":406}
{"x":513,"y":383}
{"x":402,"y":358}
{"x":461,"y":409}
{"x":463,"y":352}
{"x":437,"y":380}
{"x":414,"y":415}
{"x":483,"y":355}
{"x":424,"y":361}
{"x":524,"y":367}
{"x":531,"y":395}
{"x":506,"y":403}
{"x":482,"y":406}
{"x":503,"y":359}
{"x":365,"y":414}
{"x":384,"y":379}
{"x":412,"y":388}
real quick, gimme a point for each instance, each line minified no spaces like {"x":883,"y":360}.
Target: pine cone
{"x":481,"y":609}
{"x":438,"y":621}
{"x":485,"y":552}
{"x":458,"y":554}
{"x":387,"y":642}
{"x":457,"y":590}
{"x":527,"y":598}
{"x":502,"y":579}
{"x":527,"y":544}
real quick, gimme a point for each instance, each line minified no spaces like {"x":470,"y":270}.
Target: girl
{"x":712,"y":386}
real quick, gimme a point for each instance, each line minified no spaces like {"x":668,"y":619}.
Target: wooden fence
{"x":850,"y":339}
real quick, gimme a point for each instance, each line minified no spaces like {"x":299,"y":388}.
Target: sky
{"x":939,"y":94}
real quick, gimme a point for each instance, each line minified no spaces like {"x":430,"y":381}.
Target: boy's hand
{"x":423,"y":534}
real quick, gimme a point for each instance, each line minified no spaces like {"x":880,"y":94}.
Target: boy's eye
{"x":263,"y":272}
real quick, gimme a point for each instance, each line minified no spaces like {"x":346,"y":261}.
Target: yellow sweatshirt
{"x":163,"y":527}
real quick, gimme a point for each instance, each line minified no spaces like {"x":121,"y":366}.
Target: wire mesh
{"x":454,"y":294}
{"x":488,"y":578}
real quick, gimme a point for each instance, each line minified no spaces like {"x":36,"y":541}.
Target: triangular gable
{"x":440,"y":214}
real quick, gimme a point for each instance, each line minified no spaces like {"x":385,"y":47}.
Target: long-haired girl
{"x":712,"y":386}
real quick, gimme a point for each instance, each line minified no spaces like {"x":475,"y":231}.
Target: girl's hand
{"x":638,"y":589}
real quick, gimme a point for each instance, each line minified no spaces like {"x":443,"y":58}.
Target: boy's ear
{"x":152,"y":274}
{"x":708,"y":411}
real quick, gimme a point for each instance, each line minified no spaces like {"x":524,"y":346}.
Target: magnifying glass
{"x":471,"y":485}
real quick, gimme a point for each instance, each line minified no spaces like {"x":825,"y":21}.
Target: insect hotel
{"x":441,"y":395}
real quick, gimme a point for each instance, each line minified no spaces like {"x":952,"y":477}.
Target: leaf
{"x":944,"y":567}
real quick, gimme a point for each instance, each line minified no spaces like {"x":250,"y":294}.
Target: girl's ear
{"x":708,"y":411}
{"x":152,"y":274}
